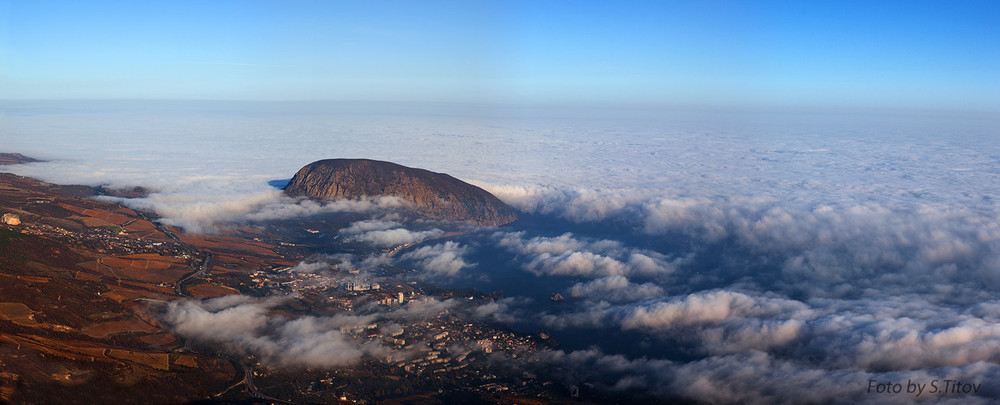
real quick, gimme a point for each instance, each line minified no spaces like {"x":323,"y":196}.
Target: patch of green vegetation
{"x":7,"y":257}
{"x":6,"y":235}
{"x":113,"y":228}
{"x":15,"y":259}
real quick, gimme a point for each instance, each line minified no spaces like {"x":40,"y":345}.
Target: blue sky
{"x":860,"y":54}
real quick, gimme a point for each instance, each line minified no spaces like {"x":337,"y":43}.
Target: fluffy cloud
{"x":540,"y":245}
{"x":244,"y":324}
{"x":300,"y":207}
{"x":505,"y":310}
{"x":201,"y":212}
{"x":387,"y":232}
{"x":370,"y":225}
{"x":204,"y":211}
{"x":615,"y":288}
{"x":584,"y":264}
{"x":398,"y":236}
{"x":757,"y":377}
{"x":423,"y":309}
{"x":445,"y":259}
{"x":220,"y":320}
{"x":875,"y":335}
{"x":315,"y":342}
{"x":311,"y":267}
{"x":566,"y":255}
{"x":707,"y":307}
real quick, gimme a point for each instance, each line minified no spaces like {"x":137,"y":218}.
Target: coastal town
{"x":432,"y":345}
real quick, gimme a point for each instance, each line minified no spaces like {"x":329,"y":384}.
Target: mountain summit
{"x":435,"y":195}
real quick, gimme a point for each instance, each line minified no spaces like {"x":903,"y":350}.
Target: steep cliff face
{"x":434,"y":195}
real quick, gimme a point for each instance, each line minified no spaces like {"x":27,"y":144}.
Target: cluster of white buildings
{"x":398,"y":299}
{"x":361,"y":286}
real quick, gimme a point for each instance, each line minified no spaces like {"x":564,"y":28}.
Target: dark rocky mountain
{"x":434,"y":195}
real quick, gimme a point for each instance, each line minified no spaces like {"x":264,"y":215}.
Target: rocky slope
{"x":15,"y":159}
{"x":434,"y":195}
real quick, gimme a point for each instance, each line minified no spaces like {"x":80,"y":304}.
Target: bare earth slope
{"x":80,"y":284}
{"x":435,"y":195}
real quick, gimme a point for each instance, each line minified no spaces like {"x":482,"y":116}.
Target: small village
{"x":446,"y":348}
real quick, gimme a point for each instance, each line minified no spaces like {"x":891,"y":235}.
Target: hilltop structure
{"x":11,"y":219}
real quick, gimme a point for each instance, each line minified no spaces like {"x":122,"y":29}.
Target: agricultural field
{"x":80,"y":280}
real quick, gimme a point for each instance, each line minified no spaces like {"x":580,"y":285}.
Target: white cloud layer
{"x":444,"y":259}
{"x":387,"y":232}
{"x":566,"y":255}
{"x":794,"y":256}
{"x":243,"y":324}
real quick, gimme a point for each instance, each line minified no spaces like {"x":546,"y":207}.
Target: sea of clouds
{"x":752,"y":256}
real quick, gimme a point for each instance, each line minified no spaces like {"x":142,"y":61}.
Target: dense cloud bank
{"x":446,"y":259}
{"x":387,"y":233}
{"x":247,"y":325}
{"x":243,"y":325}
{"x":757,"y":377}
{"x":754,"y":257}
{"x":567,"y":256}
{"x":782,"y":301}
{"x":203,"y":212}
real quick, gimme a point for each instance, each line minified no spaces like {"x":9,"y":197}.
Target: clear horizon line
{"x":694,"y":106}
